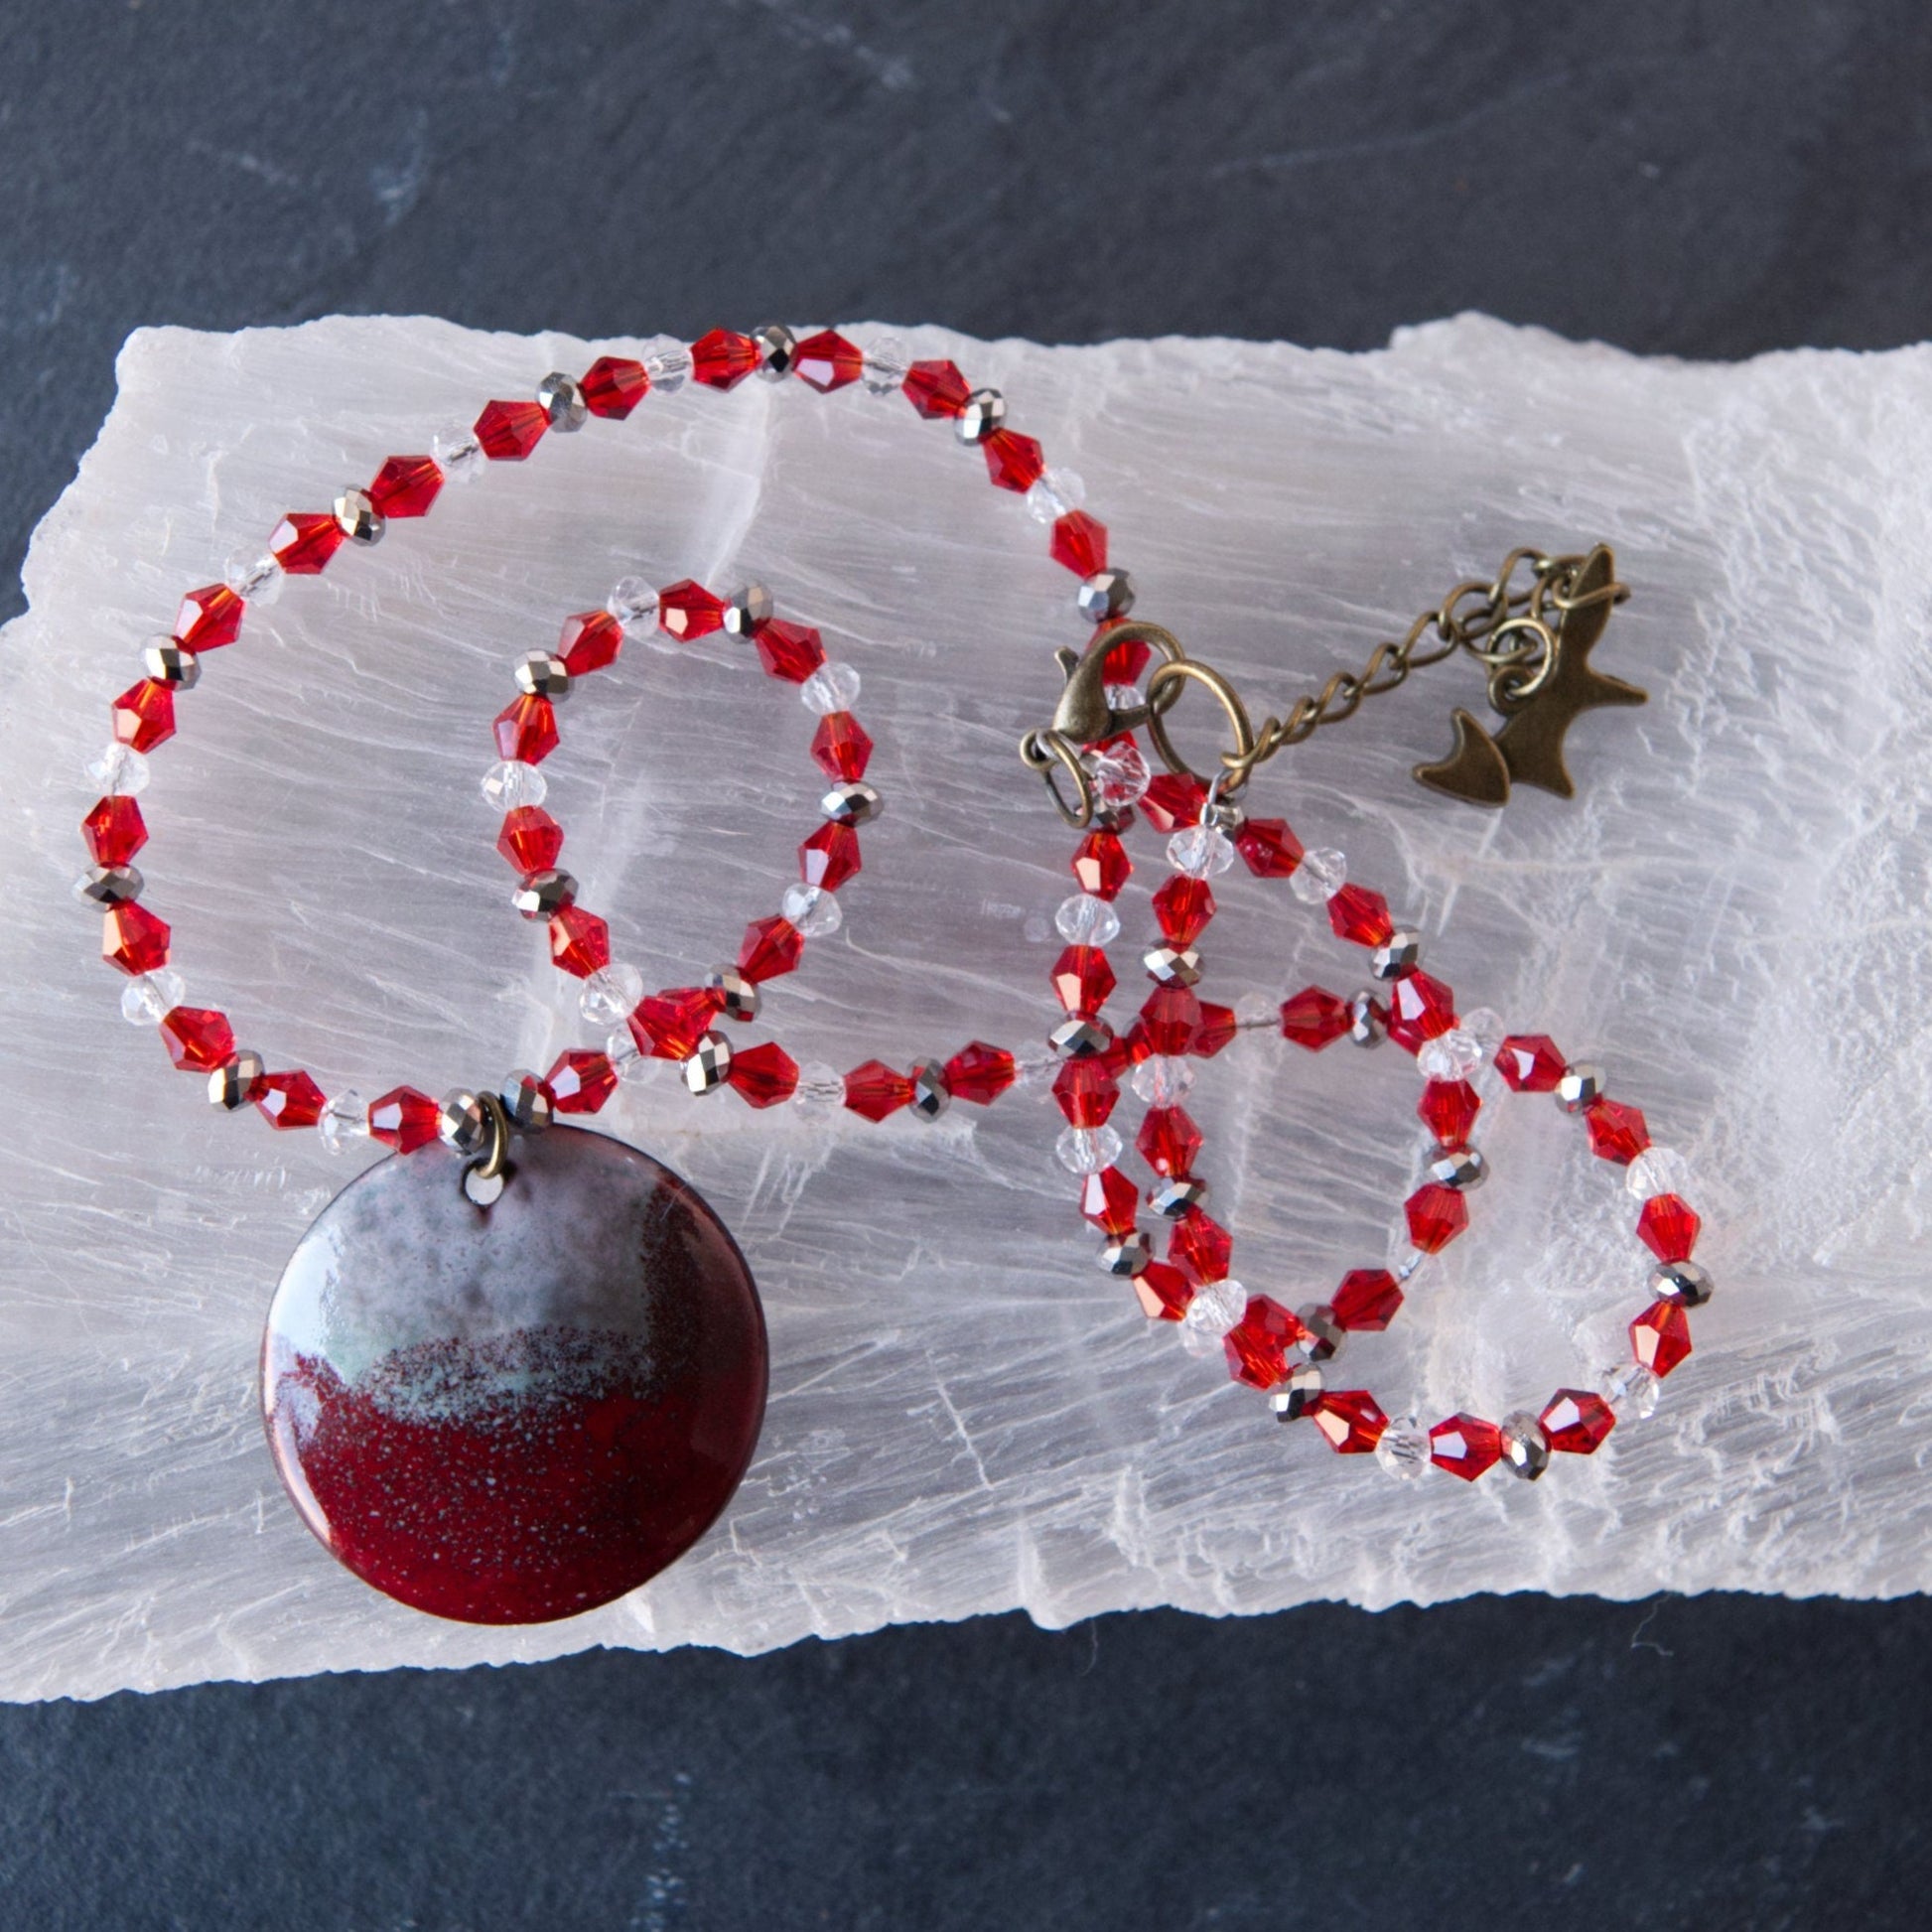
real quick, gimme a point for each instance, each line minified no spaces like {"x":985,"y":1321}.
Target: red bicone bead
{"x":526,"y":729}
{"x":828,"y":361}
{"x":198,"y":1038}
{"x":1173,"y":802}
{"x":874,"y":1090}
{"x":1350,"y":1420}
{"x":1216,"y":1030}
{"x":841,"y":746}
{"x":1124,"y":662}
{"x":1082,"y":979}
{"x":935,"y":389}
{"x":288,"y":1100}
{"x":1668,"y":1227}
{"x":1101,"y":865}
{"x":1087,"y":1091}
{"x":1184,"y":906}
{"x":1164,"y":1291}
{"x":1257,"y":1345}
{"x":1314,"y":1017}
{"x":1168,"y":1141}
{"x":770,"y":946}
{"x":723,"y":358}
{"x":144,"y":715}
{"x":829,"y":857}
{"x":1448,"y":1109}
{"x":403,"y":1119}
{"x":980,"y":1073}
{"x":530,"y":840}
{"x":1361,"y":915}
{"x":1420,"y":1009}
{"x":614,"y":385}
{"x":588,"y":641}
{"x":134,"y":939}
{"x":1079,"y":542}
{"x":209,"y":618}
{"x":1617,"y":1132}
{"x":764,"y":1076}
{"x":1577,"y":1421}
{"x":114,"y":830}
{"x":1268,"y":848}
{"x":510,"y":431}
{"x":668,"y":1024}
{"x":686,"y":611}
{"x":1110,"y":1201}
{"x":303,"y":542}
{"x":1368,"y":1299}
{"x":792,"y":652}
{"x":1170,"y":1019}
{"x":1465,"y":1445}
{"x":1013,"y":461}
{"x":1435,"y":1215}
{"x":582,"y":1081}
{"x":1660,"y":1338}
{"x":580,"y":942}
{"x":406,"y":486}
{"x":1530,"y":1063}
{"x":1201,"y":1247}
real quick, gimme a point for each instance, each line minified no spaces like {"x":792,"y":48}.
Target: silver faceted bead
{"x":1078,"y":1038}
{"x":1399,"y":956}
{"x":110,"y":884}
{"x":168,"y":662}
{"x":778,"y":351}
{"x":358,"y":519}
{"x":708,"y":1068}
{"x":462,"y":1121}
{"x":232,"y":1086}
{"x":853,"y":804}
{"x":984,"y":411}
{"x":1126,"y":1257}
{"x":1225,"y":817}
{"x":752,"y":607}
{"x":931,"y":1094}
{"x":1368,"y":1022}
{"x":1582,"y":1086}
{"x":1526,"y":1447}
{"x":1682,"y":1282}
{"x":1173,"y":965}
{"x":1296,"y":1392}
{"x":543,"y":895}
{"x":1106,"y":594}
{"x":1326,"y":1336}
{"x":1460,"y":1167}
{"x":561,"y":398}
{"x":738,"y":997}
{"x":542,"y":676}
{"x":526,"y":1100}
{"x":1176,"y":1196}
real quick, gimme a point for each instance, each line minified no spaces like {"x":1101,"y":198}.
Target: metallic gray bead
{"x":710,"y":1066}
{"x":1296,"y":1392}
{"x":1174,"y":1196}
{"x":526,"y":1100}
{"x":1682,"y":1282}
{"x":542,"y":676}
{"x":752,"y":607}
{"x":1400,"y":955}
{"x":1525,"y":1449}
{"x":1106,"y":594}
{"x":1326,"y":1336}
{"x":358,"y":519}
{"x":168,"y":662}
{"x":1582,"y":1086}
{"x":1077,"y":1038}
{"x":462,"y":1121}
{"x":110,"y":884}
{"x":1460,"y":1167}
{"x":1368,"y":1020}
{"x":1173,"y":965}
{"x":561,"y":398}
{"x":984,"y":411}
{"x":543,"y":895}
{"x":232,"y":1086}
{"x":778,"y":351}
{"x":738,"y":997}
{"x":931,"y":1094}
{"x":853,"y":804}
{"x":1126,"y":1257}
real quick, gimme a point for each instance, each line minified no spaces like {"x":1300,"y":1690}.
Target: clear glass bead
{"x":667,"y":361}
{"x":1215,"y":1310}
{"x":508,"y":784}
{"x":344,"y":1118}
{"x":1631,"y":1389}
{"x":1126,"y":697}
{"x":1404,"y":1449}
{"x":1201,"y":852}
{"x":146,"y":1000}
{"x":887,"y":358}
{"x":632,"y":1064}
{"x":1056,"y":492}
{"x":1087,"y":1150}
{"x":119,"y":772}
{"x":1658,"y":1171}
{"x":633,"y":603}
{"x":458,"y":454}
{"x":1487,"y":1028}
{"x":1163,"y":1081}
{"x":1452,"y":1055}
{"x":1083,"y":920}
{"x":1120,"y":774}
{"x":1257,"y":1013}
{"x":609,"y":996}
{"x":812,"y":909}
{"x":1320,"y":877}
{"x":820,"y":1093}
{"x":1034,"y":1067}
{"x":254,"y":576}
{"x":833,"y":686}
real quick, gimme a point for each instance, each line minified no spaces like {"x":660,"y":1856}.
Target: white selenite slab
{"x":966,"y":1416}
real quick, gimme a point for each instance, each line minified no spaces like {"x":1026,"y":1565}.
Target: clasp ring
{"x":1235,"y":764}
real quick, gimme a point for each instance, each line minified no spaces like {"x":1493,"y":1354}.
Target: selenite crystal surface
{"x":966,"y":1415}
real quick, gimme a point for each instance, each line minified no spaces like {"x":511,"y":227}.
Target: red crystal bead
{"x":1435,"y":1215}
{"x":1173,"y":802}
{"x":614,"y":385}
{"x":198,"y":1038}
{"x":588,"y":641}
{"x":1668,"y":1227}
{"x":1448,"y":1109}
{"x":723,"y":358}
{"x":1217,"y":1029}
{"x":1660,"y":1338}
{"x":1013,"y":461}
{"x":686,"y":611}
{"x":1164,"y":1291}
{"x":1617,"y":1132}
{"x":1087,"y":1091}
{"x":209,"y":618}
{"x":979,"y":1073}
{"x":531,"y":840}
{"x":765,"y":1076}
{"x":1577,"y":1421}
{"x":1168,"y":1141}
{"x":1350,"y":1420}
{"x":668,"y":1026}
{"x":1420,"y":1007}
{"x":114,"y":830}
{"x":1530,"y":1063}
{"x":829,"y":857}
{"x":1101,"y":865}
{"x":510,"y":431}
{"x":582,"y":1081}
{"x":792,"y":652}
{"x":1313,"y":1018}
{"x":1170,"y":1017}
{"x":1257,"y":1345}
{"x":403,"y":1119}
{"x":1268,"y":848}
{"x":874,"y":1090}
{"x":580,"y":942}
{"x":406,"y":486}
{"x":841,"y":746}
{"x":1184,"y":906}
{"x":144,"y":715}
{"x":1368,"y":1299}
{"x":1110,"y":1201}
{"x":303,"y":542}
{"x":527,"y":730}
{"x":1082,"y":979}
{"x":936,"y":389}
{"x":1124,"y":662}
{"x":1201,"y":1247}
{"x":1465,"y":1445}
{"x":1079,"y":543}
{"x":134,"y":939}
{"x":1361,"y":915}
{"x":770,"y":946}
{"x":288,"y":1100}
{"x":828,"y":361}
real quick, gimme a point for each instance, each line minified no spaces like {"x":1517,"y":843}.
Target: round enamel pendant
{"x":514,"y":1412}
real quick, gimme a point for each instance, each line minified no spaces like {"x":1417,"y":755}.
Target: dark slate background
{"x":1702,"y":178}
